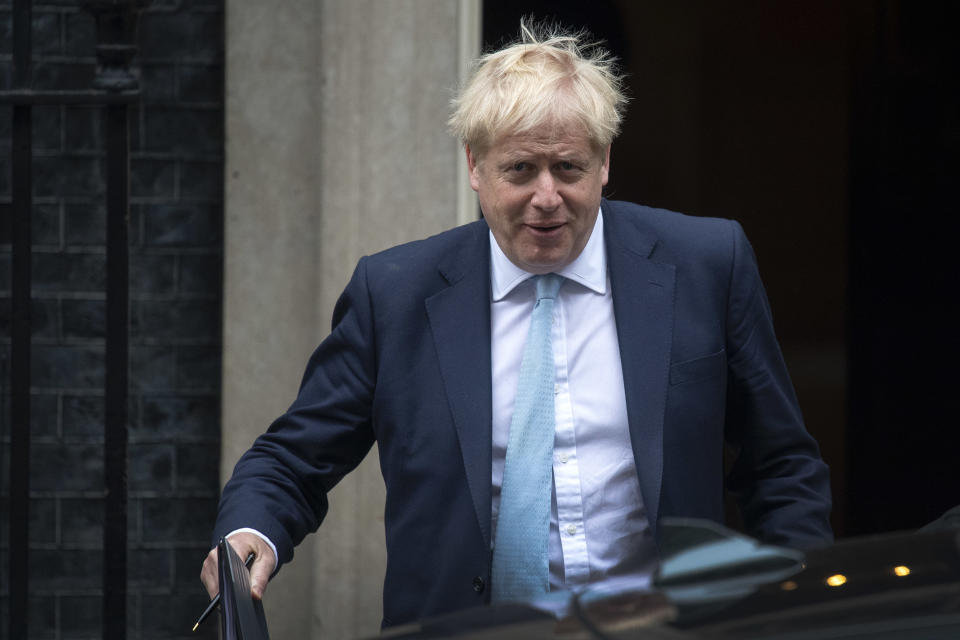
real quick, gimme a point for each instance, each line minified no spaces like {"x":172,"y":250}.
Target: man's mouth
{"x":544,"y":227}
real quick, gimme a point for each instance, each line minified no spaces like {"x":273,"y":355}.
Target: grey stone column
{"x":336,"y":147}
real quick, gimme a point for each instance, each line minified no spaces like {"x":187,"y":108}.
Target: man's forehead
{"x":546,"y":141}
{"x":548,"y":133}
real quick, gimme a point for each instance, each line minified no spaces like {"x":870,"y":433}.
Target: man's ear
{"x":605,"y":167}
{"x":472,"y":168}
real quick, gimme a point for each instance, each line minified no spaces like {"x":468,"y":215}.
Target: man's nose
{"x":545,"y":195}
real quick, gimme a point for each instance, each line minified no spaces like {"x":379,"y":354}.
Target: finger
{"x":209,"y":574}
{"x":259,"y":575}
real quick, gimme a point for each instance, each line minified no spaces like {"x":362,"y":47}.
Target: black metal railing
{"x":115,"y":88}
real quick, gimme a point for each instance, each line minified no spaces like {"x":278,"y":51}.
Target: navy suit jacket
{"x":407,"y":365}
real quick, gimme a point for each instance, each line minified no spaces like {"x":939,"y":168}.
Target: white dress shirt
{"x":598,"y":523}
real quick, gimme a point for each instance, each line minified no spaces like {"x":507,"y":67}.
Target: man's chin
{"x":545,"y":264}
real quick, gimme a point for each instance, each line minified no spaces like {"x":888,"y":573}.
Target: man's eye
{"x":567,"y":166}
{"x":519,"y":166}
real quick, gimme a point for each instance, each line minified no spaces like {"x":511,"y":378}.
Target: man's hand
{"x":244,"y":544}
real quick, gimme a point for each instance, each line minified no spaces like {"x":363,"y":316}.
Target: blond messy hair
{"x":548,"y":77}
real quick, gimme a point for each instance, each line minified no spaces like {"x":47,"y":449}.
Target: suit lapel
{"x":459,"y":319}
{"x":643,"y":294}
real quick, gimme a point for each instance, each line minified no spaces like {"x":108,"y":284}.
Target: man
{"x":641,"y":338}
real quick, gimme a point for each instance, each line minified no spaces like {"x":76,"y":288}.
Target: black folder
{"x":241,"y":616}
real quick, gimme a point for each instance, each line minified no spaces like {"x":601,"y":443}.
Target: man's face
{"x":540,"y":193}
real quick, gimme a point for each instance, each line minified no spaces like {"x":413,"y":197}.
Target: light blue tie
{"x":520,"y":561}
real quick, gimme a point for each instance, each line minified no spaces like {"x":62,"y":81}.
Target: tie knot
{"x":548,"y":285}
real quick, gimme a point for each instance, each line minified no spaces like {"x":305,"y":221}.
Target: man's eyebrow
{"x":581,"y":160}
{"x":513,"y":159}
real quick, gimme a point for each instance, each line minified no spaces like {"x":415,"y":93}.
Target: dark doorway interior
{"x":904,"y":165}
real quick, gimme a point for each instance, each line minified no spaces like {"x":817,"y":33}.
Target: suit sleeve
{"x":778,"y":477}
{"x":279,"y":486}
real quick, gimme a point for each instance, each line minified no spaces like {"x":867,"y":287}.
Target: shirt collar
{"x":589,"y":268}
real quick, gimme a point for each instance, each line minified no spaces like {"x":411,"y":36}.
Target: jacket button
{"x":478,"y":584}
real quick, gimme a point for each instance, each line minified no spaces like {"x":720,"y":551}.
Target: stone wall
{"x":354,"y":158}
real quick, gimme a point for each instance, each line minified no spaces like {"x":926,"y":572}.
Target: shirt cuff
{"x":273,"y":547}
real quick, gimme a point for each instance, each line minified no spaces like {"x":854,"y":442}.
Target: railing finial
{"x":116,"y":22}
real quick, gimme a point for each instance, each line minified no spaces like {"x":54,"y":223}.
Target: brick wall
{"x":175,"y":280}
